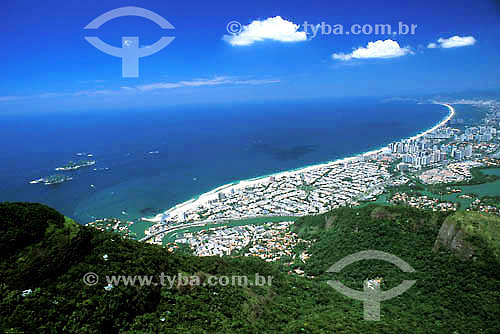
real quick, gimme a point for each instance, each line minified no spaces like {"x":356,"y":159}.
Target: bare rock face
{"x":380,"y":213}
{"x":329,"y":221}
{"x":453,"y":238}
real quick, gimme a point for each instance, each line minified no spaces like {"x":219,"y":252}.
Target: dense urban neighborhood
{"x":428,"y":171}
{"x":445,"y":155}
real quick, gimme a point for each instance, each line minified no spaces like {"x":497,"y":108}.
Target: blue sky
{"x":47,"y":64}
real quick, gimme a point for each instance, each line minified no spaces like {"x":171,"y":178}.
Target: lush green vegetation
{"x":480,"y":228}
{"x":50,"y":255}
{"x":491,"y":200}
{"x":32,"y":220}
{"x":479,"y":176}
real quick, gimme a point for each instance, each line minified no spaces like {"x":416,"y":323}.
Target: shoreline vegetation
{"x":211,"y":195}
{"x":58,"y":276}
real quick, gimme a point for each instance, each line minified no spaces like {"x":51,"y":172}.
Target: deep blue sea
{"x":200,"y":147}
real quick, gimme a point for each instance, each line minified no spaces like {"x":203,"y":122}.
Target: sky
{"x":266,"y":54}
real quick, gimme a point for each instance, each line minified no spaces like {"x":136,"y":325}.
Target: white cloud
{"x":216,"y":81}
{"x":453,"y":42}
{"x":93,"y":92}
{"x":190,"y":83}
{"x":10,"y":98}
{"x":256,"y":81}
{"x":204,"y":82}
{"x":377,"y":49}
{"x":272,"y":28}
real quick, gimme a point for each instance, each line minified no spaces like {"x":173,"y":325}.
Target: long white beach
{"x":179,"y":209}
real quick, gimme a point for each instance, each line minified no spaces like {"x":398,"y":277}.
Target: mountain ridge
{"x":452,"y":294}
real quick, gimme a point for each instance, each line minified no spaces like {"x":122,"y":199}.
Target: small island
{"x":52,"y":179}
{"x":72,"y":165}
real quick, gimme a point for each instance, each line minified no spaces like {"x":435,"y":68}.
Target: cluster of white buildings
{"x":478,"y":134}
{"x":275,"y":242}
{"x":218,"y":241}
{"x":112,"y":224}
{"x":269,"y":241}
{"x":426,"y":152}
{"x":313,"y":191}
{"x":423,"y":202}
{"x":477,"y":205}
{"x":446,"y":144}
{"x":445,"y":154}
{"x":455,"y":172}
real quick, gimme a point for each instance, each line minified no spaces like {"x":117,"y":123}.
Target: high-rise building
{"x":436,"y":156}
{"x":402,"y":167}
{"x":468,"y":151}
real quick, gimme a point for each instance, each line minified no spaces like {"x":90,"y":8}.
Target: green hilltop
{"x":48,"y":255}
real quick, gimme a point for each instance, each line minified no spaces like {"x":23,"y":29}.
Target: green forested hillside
{"x":44,"y":252}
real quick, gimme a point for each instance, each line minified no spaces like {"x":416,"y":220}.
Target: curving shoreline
{"x":213,"y":194}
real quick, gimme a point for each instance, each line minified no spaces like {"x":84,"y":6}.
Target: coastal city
{"x":311,"y":191}
{"x":250,"y":167}
{"x":444,"y":154}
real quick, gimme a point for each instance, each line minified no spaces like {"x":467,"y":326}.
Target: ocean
{"x":150,"y":160}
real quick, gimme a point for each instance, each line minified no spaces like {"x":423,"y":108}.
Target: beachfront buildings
{"x":311,"y":191}
{"x":445,"y":154}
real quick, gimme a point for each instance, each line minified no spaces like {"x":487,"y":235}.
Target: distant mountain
{"x":45,"y":257}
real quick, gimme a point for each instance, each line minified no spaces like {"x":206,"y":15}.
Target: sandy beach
{"x":213,"y":194}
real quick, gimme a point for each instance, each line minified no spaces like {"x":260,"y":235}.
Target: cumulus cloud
{"x":377,"y":49}
{"x":453,"y":42}
{"x":273,"y":28}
